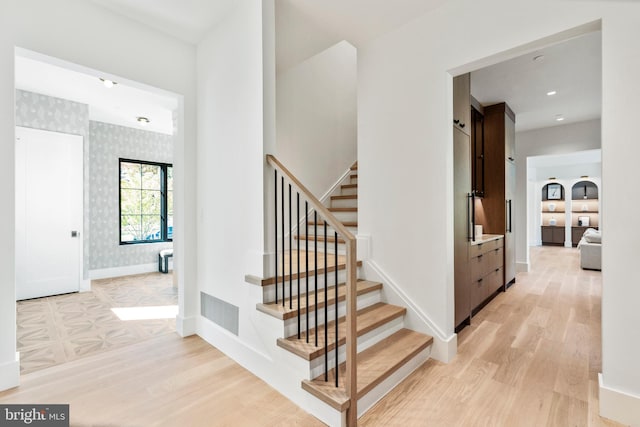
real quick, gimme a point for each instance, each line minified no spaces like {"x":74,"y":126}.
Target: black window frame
{"x":163,"y":201}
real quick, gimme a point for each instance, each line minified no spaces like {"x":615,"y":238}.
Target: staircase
{"x":310,"y":297}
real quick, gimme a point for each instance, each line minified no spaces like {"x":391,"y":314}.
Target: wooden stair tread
{"x":355,"y":166}
{"x":354,"y":175}
{"x":343,"y":209}
{"x":368,"y":319}
{"x":349,"y":186}
{"x":345,"y":223}
{"x":319,"y":238}
{"x":347,"y":197}
{"x":375,"y":364}
{"x":284,"y":312}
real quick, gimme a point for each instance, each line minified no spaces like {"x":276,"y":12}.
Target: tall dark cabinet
{"x":462,"y":189}
{"x":500,"y":180}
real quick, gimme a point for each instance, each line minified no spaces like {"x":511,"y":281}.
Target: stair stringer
{"x":444,"y":347}
{"x":276,"y":366}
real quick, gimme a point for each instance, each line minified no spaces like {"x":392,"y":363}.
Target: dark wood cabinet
{"x":499,"y":164}
{"x":553,"y":235}
{"x":477,"y":147}
{"x":461,"y":103}
{"x":576,"y":234}
{"x":462,"y":186}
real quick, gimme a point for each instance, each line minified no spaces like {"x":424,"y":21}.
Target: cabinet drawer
{"x":494,"y":280}
{"x":483,"y":248}
{"x":478,"y":292}
{"x":478,"y":268}
{"x":494,"y":259}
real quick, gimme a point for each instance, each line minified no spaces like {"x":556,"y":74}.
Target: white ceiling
{"x":572,"y":68}
{"x":187,"y":20}
{"x":120,"y":105}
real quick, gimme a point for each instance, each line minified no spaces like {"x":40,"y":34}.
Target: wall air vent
{"x":219,"y":312}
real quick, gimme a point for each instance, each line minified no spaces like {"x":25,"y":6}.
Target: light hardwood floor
{"x":58,"y":329}
{"x":530,"y":358}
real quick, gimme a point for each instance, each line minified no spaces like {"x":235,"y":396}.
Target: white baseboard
{"x":129,"y":270}
{"x":522,"y":267}
{"x":186,"y":326}
{"x":10,"y":374}
{"x":619,"y":406}
{"x":444,"y":346}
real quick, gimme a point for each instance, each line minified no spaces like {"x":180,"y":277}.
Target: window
{"x":146,"y":202}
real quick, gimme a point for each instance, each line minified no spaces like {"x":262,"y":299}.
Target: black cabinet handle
{"x":511,"y":159}
{"x":480,"y":280}
{"x":480,"y":256}
{"x":461,"y":125}
{"x":456,"y":121}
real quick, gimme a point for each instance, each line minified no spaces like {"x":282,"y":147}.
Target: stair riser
{"x":364,"y":341}
{"x":330,"y":231}
{"x":353,"y":180}
{"x":346,"y":216}
{"x":344,"y":203}
{"x":330,"y":246}
{"x":269,"y":291}
{"x":365,"y":300}
{"x":349,"y":191}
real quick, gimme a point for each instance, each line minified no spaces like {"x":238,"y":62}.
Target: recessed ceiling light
{"x":108,"y":83}
{"x":559,"y":118}
{"x":551,"y":93}
{"x":143,"y":120}
{"x":538,"y":58}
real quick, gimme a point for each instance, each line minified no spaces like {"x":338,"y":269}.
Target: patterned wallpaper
{"x":109,"y":143}
{"x":37,"y":111}
{"x":104,"y":144}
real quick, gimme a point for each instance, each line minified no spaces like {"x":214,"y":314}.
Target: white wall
{"x":316,"y":117}
{"x":553,"y":140}
{"x":81,"y":32}
{"x":405,"y":148}
{"x":298,"y":36}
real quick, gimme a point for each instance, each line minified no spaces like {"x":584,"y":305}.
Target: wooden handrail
{"x":313,"y":201}
{"x":351,"y":383}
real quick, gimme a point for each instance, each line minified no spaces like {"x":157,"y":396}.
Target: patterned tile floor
{"x":57,"y":329}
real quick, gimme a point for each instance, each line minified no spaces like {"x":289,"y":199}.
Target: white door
{"x":49,"y":182}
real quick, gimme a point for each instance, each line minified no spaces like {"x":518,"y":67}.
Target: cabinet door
{"x":462,"y":186}
{"x":576,"y":235}
{"x":462,"y":103}
{"x":477,"y":145}
{"x":547,"y":234}
{"x":558,"y":235}
{"x":509,"y":235}
{"x":509,"y":138}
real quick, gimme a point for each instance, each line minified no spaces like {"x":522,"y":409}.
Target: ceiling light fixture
{"x":551,"y":93}
{"x":143,"y":120}
{"x":559,"y":118}
{"x":108,"y":83}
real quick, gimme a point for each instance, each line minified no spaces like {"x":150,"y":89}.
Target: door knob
{"x":74,"y":233}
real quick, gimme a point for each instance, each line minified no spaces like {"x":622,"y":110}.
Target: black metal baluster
{"x":315,"y":258}
{"x":283,"y":248}
{"x":275,"y":232}
{"x":326,"y":315}
{"x":306,"y":263}
{"x":298,"y":255}
{"x":290,"y":257}
{"x":335,"y":264}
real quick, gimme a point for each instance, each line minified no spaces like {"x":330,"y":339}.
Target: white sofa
{"x":591,"y":250}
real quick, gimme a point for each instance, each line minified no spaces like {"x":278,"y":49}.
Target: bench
{"x":163,"y":260}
